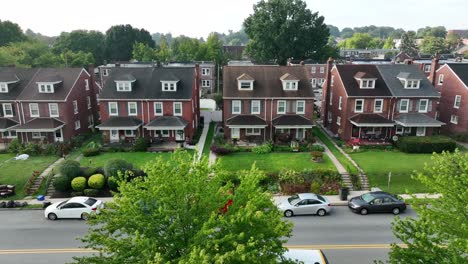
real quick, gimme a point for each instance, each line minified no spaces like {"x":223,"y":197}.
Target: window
{"x":404,"y":105}
{"x":281,"y":107}
{"x":113,"y":109}
{"x":88,"y":102}
{"x":236,"y":107}
{"x":331,"y":97}
{"x":359,"y":106}
{"x":7,"y":110}
{"x":399,"y":130}
{"x":206,"y":83}
{"x":205,"y":71}
{"x":77,"y":124}
{"x":53,"y":110}
{"x":129,"y":133}
{"x":75,"y":107}
{"x":87,"y":84}
{"x":427,"y":68}
{"x":39,"y":134}
{"x":169,"y":86}
{"x":177,"y":109}
{"x":338,"y":120}
{"x":289,"y":85}
{"x":320,"y":81}
{"x":378,"y":105}
{"x":454,"y":119}
{"x":420,"y":131}
{"x":34,"y":110}
{"x":457,"y":102}
{"x":90,"y":120}
{"x":253,"y":131}
{"x":340,"y":102}
{"x":413,"y":84}
{"x":97,"y":99}
{"x":163,"y":133}
{"x":282,"y":130}
{"x":313,"y":81}
{"x":423,"y":103}
{"x":9,"y":134}
{"x":441,"y":79}
{"x":46,"y":88}
{"x":300,"y":133}
{"x":255,"y":107}
{"x":105,"y":72}
{"x":300,"y":107}
{"x":322,"y":69}
{"x":245,"y":85}
{"x":367,"y":84}
{"x":132,"y":109}
{"x":313,"y":69}
{"x":158,"y":108}
{"x":124,"y":86}
{"x":3,"y":88}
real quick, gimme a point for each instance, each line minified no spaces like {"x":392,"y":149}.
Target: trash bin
{"x":40,"y":197}
{"x":344,"y":191}
{"x":45,"y":204}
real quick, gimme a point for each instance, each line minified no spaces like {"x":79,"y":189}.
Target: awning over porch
{"x":6,"y":123}
{"x":167,"y":123}
{"x":246,"y":121}
{"x":292,"y":121}
{"x":371,"y":120}
{"x":41,"y":124}
{"x":417,"y":120}
{"x":120,"y":123}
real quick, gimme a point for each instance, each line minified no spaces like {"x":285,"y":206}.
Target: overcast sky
{"x":197,"y":18}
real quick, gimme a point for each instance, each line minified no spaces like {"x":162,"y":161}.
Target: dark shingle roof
{"x":6,"y":123}
{"x":460,"y":69}
{"x":39,"y":124}
{"x":125,"y":77}
{"x":348,"y":73}
{"x":267,"y":82}
{"x":390,"y":73}
{"x":246,"y":120}
{"x":365,"y":119}
{"x":292,"y":120}
{"x":8,"y":76}
{"x":417,"y":120}
{"x":121,"y":121}
{"x":24,"y":75}
{"x":166,"y":122}
{"x":148,"y":83}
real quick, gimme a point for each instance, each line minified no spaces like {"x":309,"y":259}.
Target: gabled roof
{"x":288,"y":77}
{"x":148,"y":83}
{"x":348,"y":72}
{"x":267,"y":81}
{"x":407,"y":75}
{"x":40,"y":124}
{"x":167,"y":122}
{"x":390,"y":75}
{"x":49,"y":77}
{"x":24,"y":76}
{"x":364,"y":75}
{"x":122,"y":122}
{"x":125,"y":77}
{"x":246,"y":120}
{"x":6,"y":123}
{"x":245,"y":77}
{"x":8,"y":77}
{"x":461,"y":70}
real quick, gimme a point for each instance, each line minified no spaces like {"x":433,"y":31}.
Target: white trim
{"x":207,"y":71}
{"x":252,"y":107}
{"x":117,"y":128}
{"x":440,"y":80}
{"x":75,"y":106}
{"x":164,"y":127}
{"x":123,"y":86}
{"x":277,"y":107}
{"x":407,"y":106}
{"x":455,"y":101}
{"x":30,"y":112}
{"x":132,"y":134}
{"x":418,"y":133}
{"x":454,"y":119}
{"x":86,"y":84}
{"x":50,"y":110}
{"x":340,"y":102}
{"x":143,"y":100}
{"x":370,"y":124}
{"x":162,"y":108}
{"x":232,"y":106}
{"x":77,"y":124}
{"x":240,"y":82}
{"x":362,"y":106}
{"x":253,"y":133}
{"x":303,"y":107}
{"x":267,"y":98}
{"x":110,"y":109}
{"x":293,"y":126}
{"x":246,"y":126}
{"x":74,"y":83}
{"x":129,"y":108}
{"x":426,"y":108}
{"x":174,"y":109}
{"x":290,"y":85}
{"x":206,"y":83}
{"x":88,"y":101}
{"x":338,"y":120}
{"x":11,"y":110}
{"x":381,"y":105}
{"x":3,"y":87}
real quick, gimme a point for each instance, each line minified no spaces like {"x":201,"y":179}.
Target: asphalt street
{"x":27,"y":237}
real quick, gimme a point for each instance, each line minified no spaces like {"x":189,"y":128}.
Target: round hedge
{"x":70,"y":169}
{"x":96,"y":181}
{"x":113,"y":167}
{"x":91,"y":192}
{"x":61,"y":183}
{"x":78,"y":184}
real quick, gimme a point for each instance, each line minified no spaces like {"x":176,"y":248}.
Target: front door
{"x":179,"y":135}
{"x":58,"y":135}
{"x":420,"y":131}
{"x":114,"y":136}
{"x":235,"y":133}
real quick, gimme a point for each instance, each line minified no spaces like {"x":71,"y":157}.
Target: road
{"x":27,"y":237}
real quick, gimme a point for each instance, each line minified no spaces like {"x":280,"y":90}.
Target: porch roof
{"x":120,"y":123}
{"x":167,"y":123}
{"x":371,"y":120}
{"x":417,"y":120}
{"x":6,"y":123}
{"x":246,"y":121}
{"x":40,"y":124}
{"x":292,"y":121}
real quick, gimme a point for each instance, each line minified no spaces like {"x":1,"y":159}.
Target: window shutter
{"x":229,"y":105}
{"x":418,"y":102}
{"x":429,"y":107}
{"x":261,"y":106}
{"x":398,"y":105}
{"x":293,"y":107}
{"x":250,"y":107}
{"x":410,"y":107}
{"x":288,"y":104}
{"x":241,"y":106}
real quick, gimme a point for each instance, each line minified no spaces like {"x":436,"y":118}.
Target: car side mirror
{"x":371,"y":202}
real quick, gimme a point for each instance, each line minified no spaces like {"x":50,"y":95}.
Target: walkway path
{"x":37,"y":183}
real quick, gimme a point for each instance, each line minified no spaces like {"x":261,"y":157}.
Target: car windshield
{"x":90,"y":201}
{"x":321,"y":198}
{"x":294,"y":199}
{"x":62,"y":203}
{"x":368,"y":197}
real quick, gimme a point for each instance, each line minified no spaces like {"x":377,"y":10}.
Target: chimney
{"x":326,"y":93}
{"x":434,"y":67}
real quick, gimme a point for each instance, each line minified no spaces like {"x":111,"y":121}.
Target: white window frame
{"x":97,"y":99}
{"x":419,"y":133}
{"x":236,"y":104}
{"x":86,"y":84}
{"x":46,"y":88}
{"x":322,"y":69}
{"x":36,"y":135}
{"x":253,"y":131}
{"x":88,"y":101}
{"x":90,"y":120}
{"x":206,"y":71}
{"x":278,"y":107}
{"x":163,"y":133}
{"x":426,"y":105}
{"x":427,"y":68}
{"x":116,"y":109}
{"x":298,"y":102}
{"x":174,"y":109}
{"x":338,"y":120}
{"x":399,"y":130}
{"x":340,"y":102}
{"x":124,"y":86}
{"x":440,"y":81}
{"x":400,"y":110}
{"x":206,"y":83}
{"x":412,"y":84}
{"x":255,"y":104}
{"x":11,"y":110}
{"x":332,"y":81}
{"x":169,"y":86}
{"x":51,"y":114}
{"x":313,"y":69}
{"x":75,"y":106}
{"x":3,"y":88}
{"x":130,"y":108}
{"x":454,"y":119}
{"x":381,"y":105}
{"x":356,"y":104}
{"x":367,"y":84}
{"x":300,"y":133}
{"x":77,"y":124}
{"x":37,"y":108}
{"x":457,"y":102}
{"x":9,"y":134}
{"x":243,"y":85}
{"x":162,"y":108}
{"x":131,"y":134}
{"x":290,"y":85}
{"x":105,"y":72}
{"x":313,"y":82}
{"x":320,"y":81}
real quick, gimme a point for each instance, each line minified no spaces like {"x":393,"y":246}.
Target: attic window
{"x":367,"y":84}
{"x":245,"y":85}
{"x":408,"y":80}
{"x":412,"y":84}
{"x":366,"y":80}
{"x":124,"y":86}
{"x":290,"y":85}
{"x":46,"y":87}
{"x":3,"y":88}
{"x":169,"y":86}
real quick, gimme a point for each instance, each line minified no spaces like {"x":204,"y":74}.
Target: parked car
{"x":76,"y":207}
{"x":306,"y":256}
{"x":305,"y":203}
{"x":376,"y":202}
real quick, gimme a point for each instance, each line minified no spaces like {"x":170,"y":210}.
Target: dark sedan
{"x":376,"y":202}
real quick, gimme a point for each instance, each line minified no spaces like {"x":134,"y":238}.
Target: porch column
{"x":264,"y":134}
{"x":359,"y":135}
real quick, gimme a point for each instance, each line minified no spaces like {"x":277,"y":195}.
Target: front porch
{"x":45,"y":130}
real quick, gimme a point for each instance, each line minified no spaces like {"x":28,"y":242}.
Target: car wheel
{"x":364,"y":211}
{"x":52,"y":216}
{"x":396,"y":211}
{"x":288,"y":213}
{"x":321,"y":212}
{"x":84,"y":216}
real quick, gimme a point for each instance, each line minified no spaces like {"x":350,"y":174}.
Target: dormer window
{"x":124,"y":86}
{"x":169,"y":86}
{"x":412,"y":84}
{"x":366,"y":80}
{"x":408,"y":80}
{"x":46,"y":87}
{"x":290,"y":85}
{"x":245,"y":85}
{"x":367,"y":83}
{"x":3,"y":88}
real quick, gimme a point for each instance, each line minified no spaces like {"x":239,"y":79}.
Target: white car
{"x":305,"y":203}
{"x":306,"y":256}
{"x":76,"y":207}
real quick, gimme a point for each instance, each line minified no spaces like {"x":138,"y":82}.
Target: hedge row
{"x":426,"y":144}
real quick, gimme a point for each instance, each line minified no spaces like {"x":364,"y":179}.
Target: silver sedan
{"x":305,"y":203}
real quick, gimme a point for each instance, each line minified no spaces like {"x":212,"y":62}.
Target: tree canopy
{"x":282,"y":29}
{"x":81,"y":41}
{"x":433,"y":45}
{"x":408,"y":44}
{"x":10,"y":32}
{"x":361,"y":41}
{"x":440,"y":233}
{"x":175,"y":215}
{"x":120,"y":40}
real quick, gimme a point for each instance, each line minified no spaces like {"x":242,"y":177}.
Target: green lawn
{"x":138,"y":159}
{"x":17,"y":172}
{"x":272,"y":162}
{"x":377,"y":165}
{"x":209,"y":138}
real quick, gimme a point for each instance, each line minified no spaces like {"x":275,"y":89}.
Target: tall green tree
{"x":165,"y":53}
{"x":120,"y":39}
{"x":76,"y":59}
{"x":433,"y":45}
{"x":440,"y":233}
{"x":214,"y":48}
{"x":188,"y":49}
{"x":408,"y":44}
{"x":361,"y":41}
{"x":281,"y":29}
{"x":389,"y":43}
{"x":438,"y":32}
{"x":453,"y":41}
{"x":10,"y":32}
{"x":81,"y":41}
{"x":173,"y":215}
{"x":142,"y":52}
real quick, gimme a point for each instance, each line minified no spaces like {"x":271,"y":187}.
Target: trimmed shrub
{"x":282,"y":148}
{"x":89,"y":152}
{"x":291,"y":177}
{"x":220,"y":150}
{"x":141,"y":144}
{"x":113,"y":167}
{"x":91,"y":192}
{"x":62,"y":183}
{"x":426,"y":144}
{"x":315,"y":187}
{"x":70,"y":169}
{"x":15,"y":146}
{"x":88,"y":172}
{"x":112,"y":184}
{"x":78,"y":184}
{"x":32,"y":149}
{"x":97,"y":181}
{"x":263,"y":149}
{"x":317,"y":147}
